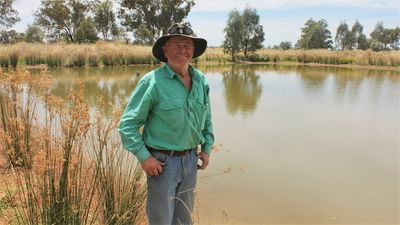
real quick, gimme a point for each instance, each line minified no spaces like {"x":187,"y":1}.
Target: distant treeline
{"x":122,"y":54}
{"x":90,"y":22}
{"x":84,"y":21}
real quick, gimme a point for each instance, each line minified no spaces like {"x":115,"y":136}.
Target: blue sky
{"x":281,"y":19}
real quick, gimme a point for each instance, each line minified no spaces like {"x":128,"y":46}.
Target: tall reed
{"x":18,"y":116}
{"x":120,"y":54}
{"x":322,"y":56}
{"x":78,"y":172}
{"x":121,"y":184}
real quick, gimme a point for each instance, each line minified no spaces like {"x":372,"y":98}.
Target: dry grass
{"x":56,"y":55}
{"x":119,"y":54}
{"x":66,"y":165}
{"x":356,"y":57}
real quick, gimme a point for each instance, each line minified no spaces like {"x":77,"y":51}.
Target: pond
{"x":295,"y":145}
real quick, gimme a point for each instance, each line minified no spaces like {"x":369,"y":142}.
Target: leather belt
{"x":170,"y":152}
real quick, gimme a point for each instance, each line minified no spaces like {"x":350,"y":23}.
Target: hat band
{"x":180,"y":30}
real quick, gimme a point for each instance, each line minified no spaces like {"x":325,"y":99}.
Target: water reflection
{"x":329,"y":133}
{"x":345,"y":83}
{"x":112,"y":85}
{"x":242,"y":89}
{"x":242,"y":86}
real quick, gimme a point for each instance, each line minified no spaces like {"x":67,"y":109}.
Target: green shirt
{"x":172,"y":117}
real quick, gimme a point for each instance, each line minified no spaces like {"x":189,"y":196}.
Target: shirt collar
{"x":170,"y":73}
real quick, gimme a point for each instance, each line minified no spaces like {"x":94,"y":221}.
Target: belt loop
{"x":171,"y":153}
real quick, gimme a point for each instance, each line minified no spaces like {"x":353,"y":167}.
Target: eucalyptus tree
{"x":34,"y":34}
{"x":86,"y":31}
{"x":105,"y":20}
{"x":390,"y":38}
{"x":253,"y":33}
{"x":315,"y":35}
{"x":233,"y":34}
{"x":149,"y":19}
{"x":243,"y":32}
{"x":360,"y":38}
{"x":394,"y":38}
{"x":345,"y":39}
{"x":8,"y":15}
{"x":378,"y":33}
{"x":8,"y":18}
{"x":61,"y":18}
{"x":285,"y":45}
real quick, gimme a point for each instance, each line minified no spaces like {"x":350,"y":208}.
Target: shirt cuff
{"x":143,"y":154}
{"x":206,"y":149}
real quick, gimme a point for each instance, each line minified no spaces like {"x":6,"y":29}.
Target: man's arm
{"x":207,"y":132}
{"x":133,"y":118}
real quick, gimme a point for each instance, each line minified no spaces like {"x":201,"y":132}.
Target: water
{"x":296,"y":145}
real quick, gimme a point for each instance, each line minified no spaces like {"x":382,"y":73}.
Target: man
{"x":172,"y":105}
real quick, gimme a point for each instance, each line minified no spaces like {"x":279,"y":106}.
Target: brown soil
{"x":7,"y":182}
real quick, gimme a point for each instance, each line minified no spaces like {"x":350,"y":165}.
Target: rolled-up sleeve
{"x":134,"y":117}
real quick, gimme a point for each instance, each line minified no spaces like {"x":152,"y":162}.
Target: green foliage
{"x":394,"y":38}
{"x":253,"y":34}
{"x":285,"y":45}
{"x":8,"y":15}
{"x":4,"y":62}
{"x":360,"y":38}
{"x":233,"y":34}
{"x":376,"y":45}
{"x":243,"y":32}
{"x":345,"y":39}
{"x":86,"y":32}
{"x":142,"y":35}
{"x":315,"y":35}
{"x":62,"y":18}
{"x":11,"y":37}
{"x":390,"y":38}
{"x":378,"y":32}
{"x":14,"y":57}
{"x":33,"y":59}
{"x":155,"y":16}
{"x":350,"y":39}
{"x":105,"y":20}
{"x":34,"y":34}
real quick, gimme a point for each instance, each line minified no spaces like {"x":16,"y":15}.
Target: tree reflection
{"x":242,"y":89}
{"x":346,"y":83}
{"x":313,"y":78}
{"x":112,"y":87}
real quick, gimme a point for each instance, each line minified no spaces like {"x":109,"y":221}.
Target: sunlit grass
{"x":355,"y":57}
{"x":121,"y":54}
{"x":67,"y":161}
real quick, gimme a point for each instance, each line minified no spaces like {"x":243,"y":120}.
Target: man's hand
{"x":205,"y":159}
{"x":152,"y":166}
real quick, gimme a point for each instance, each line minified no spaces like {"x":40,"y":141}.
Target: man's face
{"x":179,"y":49}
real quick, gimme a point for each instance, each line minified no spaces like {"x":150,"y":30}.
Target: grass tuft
{"x":68,"y":164}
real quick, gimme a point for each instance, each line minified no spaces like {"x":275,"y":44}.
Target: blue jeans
{"x":170,"y":195}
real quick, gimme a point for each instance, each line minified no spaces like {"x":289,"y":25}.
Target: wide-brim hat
{"x":183,"y":30}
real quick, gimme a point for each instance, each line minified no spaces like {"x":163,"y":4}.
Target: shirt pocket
{"x":173,"y":112}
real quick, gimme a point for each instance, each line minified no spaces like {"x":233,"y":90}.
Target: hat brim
{"x":200,"y":46}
